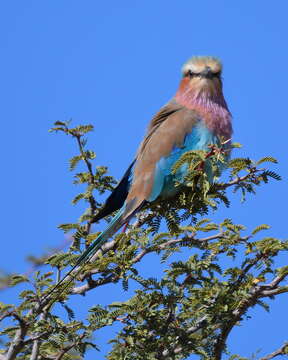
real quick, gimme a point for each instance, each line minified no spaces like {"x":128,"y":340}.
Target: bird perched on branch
{"x":196,"y":117}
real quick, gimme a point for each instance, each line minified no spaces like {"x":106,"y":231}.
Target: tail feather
{"x":112,"y":227}
{"x":118,"y":196}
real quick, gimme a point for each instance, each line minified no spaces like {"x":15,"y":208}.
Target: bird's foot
{"x":125,"y":227}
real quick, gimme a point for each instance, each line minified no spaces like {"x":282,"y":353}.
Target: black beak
{"x":207,"y":73}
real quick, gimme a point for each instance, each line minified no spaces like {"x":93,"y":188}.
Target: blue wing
{"x":198,"y":139}
{"x":118,"y":196}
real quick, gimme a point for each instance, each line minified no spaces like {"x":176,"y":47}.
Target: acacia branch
{"x":283,"y":350}
{"x":36,"y":342}
{"x":276,"y":281}
{"x":69,"y":347}
{"x":18,"y":341}
{"x":175,"y":348}
{"x":140,"y":220}
{"x":256,"y":292}
{"x":91,"y":284}
{"x":88,"y":163}
{"x":235,"y":181}
{"x":276,"y":291}
{"x":35,"y":350}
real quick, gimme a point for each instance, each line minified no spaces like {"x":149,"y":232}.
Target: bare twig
{"x":235,"y":181}
{"x":276,"y":291}
{"x":281,"y":351}
{"x":273,"y":284}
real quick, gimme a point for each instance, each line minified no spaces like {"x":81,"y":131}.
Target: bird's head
{"x":202,"y":74}
{"x":200,"y":90}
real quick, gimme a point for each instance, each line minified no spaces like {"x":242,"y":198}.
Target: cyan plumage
{"x":195,"y":118}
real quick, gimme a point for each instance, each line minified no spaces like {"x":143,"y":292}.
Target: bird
{"x":194,"y":119}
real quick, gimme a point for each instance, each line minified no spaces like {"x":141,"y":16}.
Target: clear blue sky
{"x":114,"y":64}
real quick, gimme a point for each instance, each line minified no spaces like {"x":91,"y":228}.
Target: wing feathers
{"x":118,"y":196}
{"x":167,"y":130}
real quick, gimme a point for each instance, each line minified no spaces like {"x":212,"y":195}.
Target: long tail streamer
{"x":113,"y":226}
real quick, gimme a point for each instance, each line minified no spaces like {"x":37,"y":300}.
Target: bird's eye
{"x":191,"y":74}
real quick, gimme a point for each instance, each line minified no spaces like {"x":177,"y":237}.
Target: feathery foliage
{"x":213,"y":273}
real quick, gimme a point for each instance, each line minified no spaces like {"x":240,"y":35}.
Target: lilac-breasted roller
{"x":196,"y":117}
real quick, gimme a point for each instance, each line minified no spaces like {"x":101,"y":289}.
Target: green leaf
{"x":271,"y":174}
{"x":236,"y":145}
{"x":67,"y":227}
{"x":74,"y":161}
{"x":260,"y":228}
{"x":17,"y":279}
{"x":267,"y":159}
